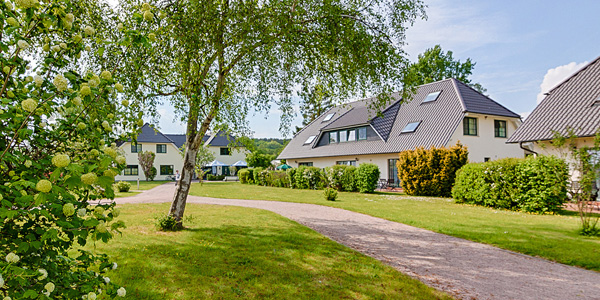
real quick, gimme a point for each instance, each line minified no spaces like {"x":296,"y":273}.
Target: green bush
{"x":166,"y":223}
{"x":536,"y":185}
{"x":211,"y":177}
{"x":334,"y":176}
{"x":250,"y":176}
{"x":256,"y":176}
{"x":330,"y":194}
{"x":243,"y":174}
{"x":309,"y":178}
{"x":291,"y":174}
{"x":367,"y":177}
{"x":152,"y":174}
{"x":349,"y":179}
{"x":123,"y":186}
{"x":277,"y":179}
{"x":430,"y":172}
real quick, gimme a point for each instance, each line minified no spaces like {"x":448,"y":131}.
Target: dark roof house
{"x":574,"y":105}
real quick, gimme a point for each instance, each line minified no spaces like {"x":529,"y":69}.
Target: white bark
{"x":181,"y":193}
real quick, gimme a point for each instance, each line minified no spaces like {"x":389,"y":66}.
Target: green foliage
{"x":342,"y":178}
{"x":430,"y":172}
{"x":273,"y":178}
{"x":330,"y":194}
{"x":535,"y":185}
{"x":123,"y":186}
{"x":435,"y":65}
{"x":146,"y":160}
{"x":291,"y":174}
{"x":167,"y":223}
{"x":244,"y":175}
{"x":269,"y":146}
{"x":349,"y":179}
{"x":152,"y":174}
{"x":50,"y":171}
{"x":250,"y":175}
{"x":309,"y":178}
{"x":259,"y":160}
{"x":211,"y":177}
{"x":316,"y":101}
{"x":256,"y":175}
{"x":367,"y":177}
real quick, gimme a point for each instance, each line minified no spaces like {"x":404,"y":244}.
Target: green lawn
{"x":144,"y":185}
{"x":554,"y":237}
{"x":234,"y":252}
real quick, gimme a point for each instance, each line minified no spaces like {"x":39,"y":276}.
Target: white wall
{"x":235,"y":155}
{"x":546,"y":148}
{"x":172,"y":157}
{"x":485,"y":144}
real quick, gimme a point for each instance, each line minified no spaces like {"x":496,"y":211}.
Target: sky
{"x":522,"y":48}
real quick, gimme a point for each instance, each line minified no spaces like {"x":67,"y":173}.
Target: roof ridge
{"x":574,"y":75}
{"x":459,"y":95}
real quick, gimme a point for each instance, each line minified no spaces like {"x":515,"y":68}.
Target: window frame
{"x":137,"y":147}
{"x":161,"y":146}
{"x":466,"y":126}
{"x":408,"y":129}
{"x":346,"y":162}
{"x":328,"y":117}
{"x":336,"y":139}
{"x":437,"y":95}
{"x":225,"y":148}
{"x":345,"y":134}
{"x":497,"y":129}
{"x":130,"y":168}
{"x":310,"y":139}
{"x":353,"y":134}
{"x":305,"y":164}
{"x":172,"y":169}
{"x":358,"y":138}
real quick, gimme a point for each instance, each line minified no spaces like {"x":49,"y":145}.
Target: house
{"x":440,"y":114}
{"x":573,"y":106}
{"x":168,"y":150}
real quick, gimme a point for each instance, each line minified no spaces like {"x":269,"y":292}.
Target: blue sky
{"x":520,"y":48}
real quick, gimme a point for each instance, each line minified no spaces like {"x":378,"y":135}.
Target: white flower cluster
{"x":44,"y":186}
{"x":121,"y":292}
{"x":26,"y":3}
{"x":105,"y":75}
{"x":29,"y":105}
{"x":12,"y":258}
{"x":44,"y":274}
{"x":1,"y":281}
{"x":89,"y":30}
{"x":38,"y":80}
{"x":89,"y":178}
{"x":22,"y":44}
{"x":68,"y":209}
{"x":61,"y":160}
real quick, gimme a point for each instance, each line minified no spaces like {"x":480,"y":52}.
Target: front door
{"x":393,"y":173}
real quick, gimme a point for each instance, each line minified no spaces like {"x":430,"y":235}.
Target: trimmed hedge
{"x":342,"y":178}
{"x":430,"y":172}
{"x":536,"y":185}
{"x":367,"y":177}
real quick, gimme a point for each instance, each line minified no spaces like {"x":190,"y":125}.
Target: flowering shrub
{"x":123,"y":186}
{"x":342,"y":178}
{"x":309,"y":178}
{"x":57,"y":150}
{"x":367,"y":177}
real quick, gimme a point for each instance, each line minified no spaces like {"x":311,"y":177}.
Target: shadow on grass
{"x":245,"y":262}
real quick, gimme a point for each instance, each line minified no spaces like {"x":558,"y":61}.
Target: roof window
{"x":411,"y":127}
{"x":596,"y":102}
{"x":328,"y":117}
{"x":310,"y":139}
{"x":431,"y":97}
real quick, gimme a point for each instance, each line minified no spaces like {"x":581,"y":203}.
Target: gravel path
{"x":464,"y":269}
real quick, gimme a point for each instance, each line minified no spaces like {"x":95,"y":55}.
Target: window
{"x":328,"y":117}
{"x":346,"y":162}
{"x":333,"y":137}
{"x":351,"y":135}
{"x":310,"y":139}
{"x":393,"y":179}
{"x":136,"y":148}
{"x":131,"y":170}
{"x":161,"y":148}
{"x":225,"y":151}
{"x":343,"y":136}
{"x":431,"y":97}
{"x":500,"y":128}
{"x":166,"y":170}
{"x":305,"y":164}
{"x":470,"y":126}
{"x":411,"y":127}
{"x":486,"y":159}
{"x":596,"y":102}
{"x":362,"y":133}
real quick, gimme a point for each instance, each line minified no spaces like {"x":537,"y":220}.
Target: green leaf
{"x":90,"y":223}
{"x":23,"y":247}
{"x":31,"y":294}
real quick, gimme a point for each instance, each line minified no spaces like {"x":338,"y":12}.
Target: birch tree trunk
{"x":182,"y":191}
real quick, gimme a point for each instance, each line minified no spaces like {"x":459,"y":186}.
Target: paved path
{"x":464,"y":269}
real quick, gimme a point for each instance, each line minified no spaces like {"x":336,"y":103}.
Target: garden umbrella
{"x":283,"y":167}
{"x":240,"y":163}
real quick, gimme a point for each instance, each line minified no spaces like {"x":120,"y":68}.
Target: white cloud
{"x":524,"y":115}
{"x":557,"y":75}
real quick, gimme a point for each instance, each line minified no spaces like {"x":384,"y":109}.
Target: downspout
{"x":521,"y":146}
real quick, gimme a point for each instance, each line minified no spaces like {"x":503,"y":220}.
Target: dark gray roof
{"x":439,"y":119}
{"x":152,"y":135}
{"x":355,"y":116}
{"x":568,"y":105}
{"x":178,"y":139}
{"x":222,"y":139}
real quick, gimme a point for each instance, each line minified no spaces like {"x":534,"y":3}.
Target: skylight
{"x":328,"y":117}
{"x":596,"y":102}
{"x":411,"y":127}
{"x":432,"y":97}
{"x":310,"y":139}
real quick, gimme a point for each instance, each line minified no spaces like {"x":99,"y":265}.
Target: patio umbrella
{"x":216,"y":163}
{"x":283,"y":167}
{"x":240,"y":163}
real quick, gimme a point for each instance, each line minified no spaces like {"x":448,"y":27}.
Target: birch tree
{"x":217,"y":60}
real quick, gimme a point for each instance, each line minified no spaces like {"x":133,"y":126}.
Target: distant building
{"x":440,"y":114}
{"x":167,"y":148}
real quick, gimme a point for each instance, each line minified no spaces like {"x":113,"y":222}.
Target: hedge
{"x":536,"y":185}
{"x":342,"y":178}
{"x":430,"y":172}
{"x":367,"y":177}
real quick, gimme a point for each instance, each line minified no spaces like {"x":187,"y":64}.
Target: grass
{"x":554,"y":237}
{"x":233,"y":252}
{"x":144,"y":185}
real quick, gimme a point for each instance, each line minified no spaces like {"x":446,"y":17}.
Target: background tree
{"x":203,"y":157}
{"x":49,"y":171}
{"x":214,"y":60}
{"x":146,"y":160}
{"x":434,"y":65}
{"x":259,"y":160}
{"x":315,"y":102}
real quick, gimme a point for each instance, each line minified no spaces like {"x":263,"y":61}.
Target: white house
{"x":440,"y":114}
{"x":167,"y":148}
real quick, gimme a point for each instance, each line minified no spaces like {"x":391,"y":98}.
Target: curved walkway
{"x":464,"y":269}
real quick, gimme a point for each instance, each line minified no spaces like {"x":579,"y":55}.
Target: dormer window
{"x":310,"y":139}
{"x":411,"y":127}
{"x":328,"y":117}
{"x":431,"y":97}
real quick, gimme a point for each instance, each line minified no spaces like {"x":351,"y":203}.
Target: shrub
{"x":334,"y":175}
{"x":291,"y":174}
{"x":430,"y":172}
{"x":349,"y":179}
{"x":537,"y":185}
{"x":243,"y":174}
{"x":277,"y":179}
{"x":250,"y":176}
{"x":330,"y":194}
{"x":211,"y":177}
{"x":257,"y":176}
{"x":166,"y":223}
{"x":123,"y":186}
{"x":367,"y":177}
{"x":152,"y":174}
{"x":309,"y":178}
